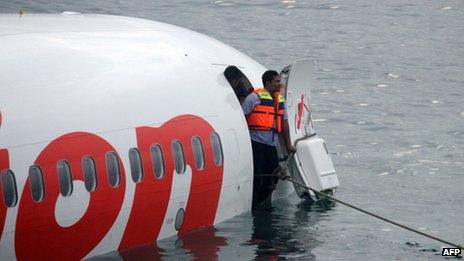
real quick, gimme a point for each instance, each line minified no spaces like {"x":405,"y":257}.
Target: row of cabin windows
{"x":8,"y":181}
{"x":157,"y":157}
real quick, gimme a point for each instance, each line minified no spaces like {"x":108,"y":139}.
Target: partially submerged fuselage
{"x":116,"y":132}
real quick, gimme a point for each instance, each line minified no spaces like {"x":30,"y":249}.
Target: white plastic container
{"x":314,"y":165}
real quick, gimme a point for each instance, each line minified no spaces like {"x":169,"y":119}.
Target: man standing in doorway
{"x":266,"y":117}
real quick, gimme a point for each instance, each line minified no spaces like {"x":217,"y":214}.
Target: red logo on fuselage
{"x":39,"y":236}
{"x":152,"y":196}
{"x":4,"y":165}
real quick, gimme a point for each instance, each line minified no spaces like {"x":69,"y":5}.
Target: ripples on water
{"x":387,"y":98}
{"x":288,"y":231}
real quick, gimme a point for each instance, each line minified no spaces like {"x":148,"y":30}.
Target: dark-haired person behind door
{"x":266,"y":118}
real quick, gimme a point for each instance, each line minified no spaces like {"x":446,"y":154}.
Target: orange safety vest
{"x":270,"y":110}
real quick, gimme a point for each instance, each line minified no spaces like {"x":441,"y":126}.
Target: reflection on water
{"x":146,"y":252}
{"x":287,"y":231}
{"x":203,"y":244}
{"x":277,"y":235}
{"x":404,"y":61}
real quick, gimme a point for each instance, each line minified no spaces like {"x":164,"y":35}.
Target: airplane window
{"x":37,"y":183}
{"x":135,"y":165}
{"x":217,"y":149}
{"x":157,"y":160}
{"x":90,"y":175}
{"x":112,"y":166}
{"x":178,"y":154}
{"x":179,"y":219}
{"x":10,"y":194}
{"x":64,"y":177}
{"x":198,"y":153}
{"x":239,"y":82}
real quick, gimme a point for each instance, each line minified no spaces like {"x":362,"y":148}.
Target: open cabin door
{"x":311,"y":164}
{"x":297,"y":93}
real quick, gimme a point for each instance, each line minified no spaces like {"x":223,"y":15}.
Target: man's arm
{"x":286,"y":134}
{"x":249,"y":103}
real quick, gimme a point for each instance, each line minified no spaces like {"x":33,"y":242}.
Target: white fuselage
{"x":76,"y":85}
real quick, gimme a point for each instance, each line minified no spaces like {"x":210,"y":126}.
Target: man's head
{"x":271,"y":81}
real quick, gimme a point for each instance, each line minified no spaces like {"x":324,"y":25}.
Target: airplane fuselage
{"x":115,"y":132}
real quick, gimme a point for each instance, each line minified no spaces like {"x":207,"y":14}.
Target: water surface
{"x":387,"y":97}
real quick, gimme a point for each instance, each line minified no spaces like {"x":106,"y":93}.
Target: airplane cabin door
{"x":311,"y":164}
{"x":298,"y":78}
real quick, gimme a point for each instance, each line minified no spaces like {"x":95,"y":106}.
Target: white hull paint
{"x":109,"y":76}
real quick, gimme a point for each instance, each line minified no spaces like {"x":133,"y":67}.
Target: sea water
{"x":388,"y":97}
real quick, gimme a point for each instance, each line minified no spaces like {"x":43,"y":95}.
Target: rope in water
{"x":284,"y":176}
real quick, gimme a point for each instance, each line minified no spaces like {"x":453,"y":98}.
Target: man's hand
{"x":291,"y":149}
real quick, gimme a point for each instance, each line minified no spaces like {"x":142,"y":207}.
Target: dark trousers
{"x":265,"y":161}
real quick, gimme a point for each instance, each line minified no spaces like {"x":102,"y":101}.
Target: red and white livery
{"x":116,"y":132}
